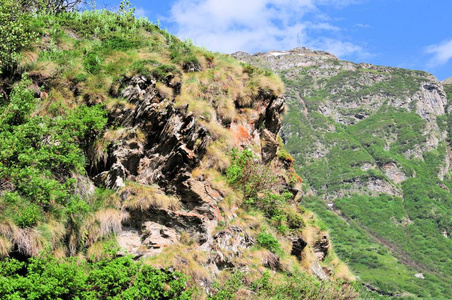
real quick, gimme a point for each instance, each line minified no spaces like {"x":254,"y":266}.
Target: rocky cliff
{"x":373,"y":144}
{"x":120,"y":138}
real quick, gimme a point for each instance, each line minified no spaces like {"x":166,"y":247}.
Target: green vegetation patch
{"x":45,"y":277}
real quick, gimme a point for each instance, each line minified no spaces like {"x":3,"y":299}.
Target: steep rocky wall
{"x":173,"y":144}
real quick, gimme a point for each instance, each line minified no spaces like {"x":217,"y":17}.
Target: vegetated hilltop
{"x":373,"y":145}
{"x":119,"y":139}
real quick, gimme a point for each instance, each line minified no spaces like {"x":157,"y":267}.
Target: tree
{"x":50,"y":6}
{"x":16,"y":33}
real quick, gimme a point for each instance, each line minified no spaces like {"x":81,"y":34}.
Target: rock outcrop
{"x":161,"y":145}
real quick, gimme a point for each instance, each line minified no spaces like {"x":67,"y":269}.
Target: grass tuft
{"x":143,"y":197}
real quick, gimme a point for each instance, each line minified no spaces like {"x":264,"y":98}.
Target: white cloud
{"x":362,"y":25}
{"x":339,"y":48}
{"x":323,"y":26}
{"x":339,"y":3}
{"x":255,"y":25}
{"x":442,"y":53}
{"x":141,"y":12}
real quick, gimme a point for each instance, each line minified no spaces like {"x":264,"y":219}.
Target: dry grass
{"x":28,"y":59}
{"x":164,"y":91}
{"x":339,"y":269}
{"x":271,"y":83}
{"x":56,"y":103}
{"x":65,"y":42}
{"x":217,"y":157}
{"x":59,"y":252}
{"x":225,"y":109}
{"x":97,"y":251}
{"x":9,"y":232}
{"x":196,"y":105}
{"x":343,"y":272}
{"x":251,"y":223}
{"x":144,"y":197}
{"x":146,"y":55}
{"x":116,"y":106}
{"x":5,"y":246}
{"x":185,"y":259}
{"x":97,"y":153}
{"x":53,"y":232}
{"x":88,"y":234}
{"x":44,"y":69}
{"x":245,"y":99}
{"x":232,"y":198}
{"x":29,"y":241}
{"x":8,"y":229}
{"x":186,"y":238}
{"x":95,"y":89}
{"x":109,"y":221}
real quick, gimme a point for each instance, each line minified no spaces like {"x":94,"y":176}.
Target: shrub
{"x":92,"y":63}
{"x":28,"y":215}
{"x":17,"y":33}
{"x":269,"y":242}
{"x":247,"y":175}
{"x":165,"y":73}
{"x":45,"y":277}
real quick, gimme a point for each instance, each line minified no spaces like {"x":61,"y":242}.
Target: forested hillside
{"x":373,"y":145}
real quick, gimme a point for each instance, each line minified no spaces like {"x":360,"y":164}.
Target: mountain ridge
{"x":371,"y":141}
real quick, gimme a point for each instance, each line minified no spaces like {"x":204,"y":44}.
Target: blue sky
{"x":414,"y":34}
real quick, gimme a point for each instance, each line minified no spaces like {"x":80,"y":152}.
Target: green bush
{"x":45,"y":277}
{"x":93,"y":62}
{"x":17,"y":33}
{"x":248,"y":176}
{"x":269,"y":242}
{"x":35,"y":149}
{"x":28,"y":215}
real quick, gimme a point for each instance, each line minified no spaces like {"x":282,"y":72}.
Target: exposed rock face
{"x":230,"y":243}
{"x":321,"y":247}
{"x":148,"y":241}
{"x":298,"y":245}
{"x":112,"y":179}
{"x":161,"y":145}
{"x":392,"y":171}
{"x":282,"y":60}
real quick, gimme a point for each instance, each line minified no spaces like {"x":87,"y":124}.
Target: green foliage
{"x":269,"y":242}
{"x":229,"y":288}
{"x":296,"y":285}
{"x":43,"y":156}
{"x":248,"y":176}
{"x":45,"y":277}
{"x":17,"y":33}
{"x":384,"y":239}
{"x":249,"y":69}
{"x":49,"y":6}
{"x":28,"y":215}
{"x":39,"y":153}
{"x":126,"y":9}
{"x":260,"y":190}
{"x":182,"y":54}
{"x":164,"y":73}
{"x":92,"y":63}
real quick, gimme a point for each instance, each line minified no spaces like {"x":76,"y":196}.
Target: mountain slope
{"x":119,"y":142}
{"x":372,"y":142}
